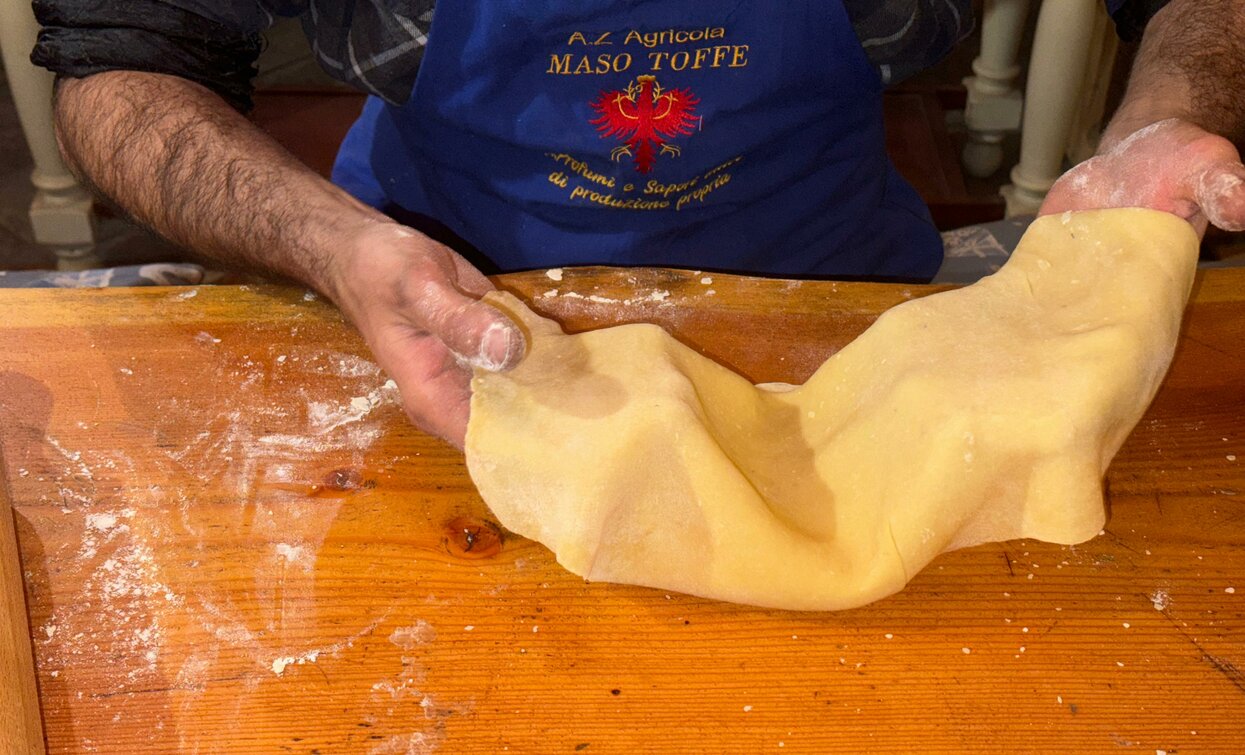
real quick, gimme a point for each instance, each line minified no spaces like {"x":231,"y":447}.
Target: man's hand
{"x":1172,"y":166}
{"x":417,"y":304}
{"x":182,"y":162}
{"x":1165,"y":147}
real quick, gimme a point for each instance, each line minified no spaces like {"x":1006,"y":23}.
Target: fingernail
{"x":500,"y":347}
{"x":1219,"y":195}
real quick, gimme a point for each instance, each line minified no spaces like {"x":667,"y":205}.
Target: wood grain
{"x":21,"y":730}
{"x":225,"y":553}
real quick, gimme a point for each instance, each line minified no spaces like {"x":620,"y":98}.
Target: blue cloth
{"x":155,"y":274}
{"x":741,"y":136}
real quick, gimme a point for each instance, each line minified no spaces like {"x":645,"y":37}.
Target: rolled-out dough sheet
{"x":981,"y":414}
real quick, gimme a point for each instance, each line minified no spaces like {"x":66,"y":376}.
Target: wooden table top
{"x":232,"y":541}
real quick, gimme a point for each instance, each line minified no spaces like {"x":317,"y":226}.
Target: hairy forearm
{"x":1191,"y":65}
{"x":181,"y":161}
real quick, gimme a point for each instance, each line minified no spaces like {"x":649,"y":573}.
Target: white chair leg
{"x":61,"y":213}
{"x":1061,"y":49}
{"x":1091,"y":114}
{"x":994,"y":103}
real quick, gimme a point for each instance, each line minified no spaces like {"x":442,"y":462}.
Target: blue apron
{"x":739,"y":136}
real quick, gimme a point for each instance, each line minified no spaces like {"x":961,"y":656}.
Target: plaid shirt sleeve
{"x":373,"y":48}
{"x":904,"y":37}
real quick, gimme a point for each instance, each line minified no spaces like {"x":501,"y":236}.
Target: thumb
{"x":478,"y":334}
{"x":1220,"y":192}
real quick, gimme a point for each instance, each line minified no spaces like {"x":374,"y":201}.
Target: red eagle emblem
{"x":645,"y":116}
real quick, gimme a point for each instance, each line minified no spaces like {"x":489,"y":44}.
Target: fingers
{"x":468,"y":278}
{"x":478,"y":334}
{"x":1172,"y":165}
{"x":427,"y":293}
{"x":415,"y":302}
{"x":436,"y":391}
{"x":1078,"y":189}
{"x":1220,"y":192}
{"x":444,"y":330}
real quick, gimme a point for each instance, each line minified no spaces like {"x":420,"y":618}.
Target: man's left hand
{"x":1171,"y":165}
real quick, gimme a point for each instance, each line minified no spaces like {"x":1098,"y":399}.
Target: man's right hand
{"x":416,"y":302}
{"x":181,"y":161}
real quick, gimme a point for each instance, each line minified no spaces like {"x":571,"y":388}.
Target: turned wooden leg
{"x":61,"y":213}
{"x":1061,"y":50}
{"x":994,"y":103}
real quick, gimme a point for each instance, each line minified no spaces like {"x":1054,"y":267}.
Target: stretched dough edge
{"x":567,"y":453}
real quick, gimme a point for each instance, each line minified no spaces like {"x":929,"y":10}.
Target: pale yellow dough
{"x":981,"y":414}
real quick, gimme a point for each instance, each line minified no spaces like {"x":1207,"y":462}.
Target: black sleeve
{"x":1131,"y":16}
{"x":213,"y":44}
